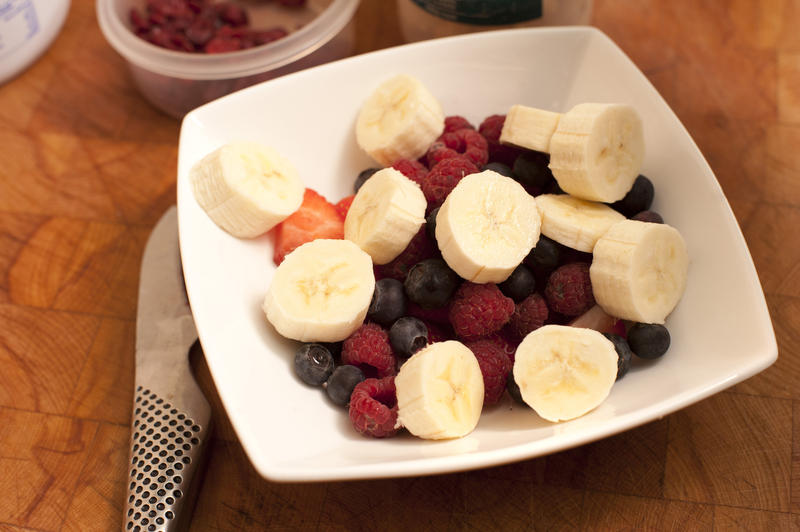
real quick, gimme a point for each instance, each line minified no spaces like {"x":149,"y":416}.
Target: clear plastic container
{"x":428,"y":19}
{"x":177,"y":82}
{"x":27,"y":27}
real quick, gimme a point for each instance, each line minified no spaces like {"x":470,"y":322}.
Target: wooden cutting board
{"x":87,"y":167}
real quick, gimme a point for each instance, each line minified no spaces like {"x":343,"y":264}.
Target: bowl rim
{"x":229,"y":65}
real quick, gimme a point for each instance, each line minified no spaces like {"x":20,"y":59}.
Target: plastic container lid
{"x":112,"y":13}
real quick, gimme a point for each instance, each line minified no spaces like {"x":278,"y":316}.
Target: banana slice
{"x":596,"y":149}
{"x":529,"y":128}
{"x":440,"y":391}
{"x":321,"y":291}
{"x":401,"y":119}
{"x":486,"y":226}
{"x":564,"y":372}
{"x":639,"y":270}
{"x":386,"y":213}
{"x":574,"y":222}
{"x":246,"y":188}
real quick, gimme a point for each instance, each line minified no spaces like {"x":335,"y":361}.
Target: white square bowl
{"x":721,"y":330}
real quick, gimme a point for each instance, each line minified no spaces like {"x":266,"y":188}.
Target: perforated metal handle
{"x":166,"y":454}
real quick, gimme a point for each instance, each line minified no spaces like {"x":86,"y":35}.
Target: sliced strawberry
{"x":344,"y":205}
{"x":316,"y":218}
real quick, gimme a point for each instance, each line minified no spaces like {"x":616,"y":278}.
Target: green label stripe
{"x":483,"y":12}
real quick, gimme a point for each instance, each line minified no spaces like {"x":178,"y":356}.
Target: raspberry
{"x":373,"y":407}
{"x":368,"y":348}
{"x":344,"y":205}
{"x":414,"y":170}
{"x":569,"y":289}
{"x":506,"y":339}
{"x":444,"y":177}
{"x":454,"y":123}
{"x":491,"y":128}
{"x":479,"y":309}
{"x":438,"y":332}
{"x":466,"y":142}
{"x":495,"y":366}
{"x":419,"y":248}
{"x":439,"y":315}
{"x":529,"y":314}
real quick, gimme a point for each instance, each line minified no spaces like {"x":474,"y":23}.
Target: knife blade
{"x":170,"y":423}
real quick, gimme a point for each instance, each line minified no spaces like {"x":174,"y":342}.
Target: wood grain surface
{"x":87,"y":166}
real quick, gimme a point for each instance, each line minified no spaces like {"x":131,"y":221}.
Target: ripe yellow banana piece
{"x":596,"y":149}
{"x":246,"y":188}
{"x":400,"y":119}
{"x":440,"y":391}
{"x":321,"y":291}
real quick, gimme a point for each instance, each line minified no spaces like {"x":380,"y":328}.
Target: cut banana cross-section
{"x":486,"y":226}
{"x":596,"y":149}
{"x":246,"y":188}
{"x":574,"y":222}
{"x":639,"y":270}
{"x":386,"y":213}
{"x":564,"y":372}
{"x":440,"y":391}
{"x":401,"y":119}
{"x":321,"y":291}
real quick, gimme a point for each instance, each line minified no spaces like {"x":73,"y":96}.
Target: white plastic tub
{"x":177,"y":82}
{"x":27,"y":27}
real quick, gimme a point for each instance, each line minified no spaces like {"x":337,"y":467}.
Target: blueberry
{"x":334,"y":347}
{"x":430,"y":283}
{"x":430,"y":224}
{"x":313,"y":363}
{"x":638,"y":199}
{"x":362,"y":177}
{"x":624,"y":353}
{"x":648,"y":340}
{"x":341,"y":383}
{"x":513,"y":389}
{"x":531,"y":170}
{"x":520,"y":284}
{"x":545,"y":256}
{"x":388,"y":301}
{"x":648,"y":216}
{"x":407,"y":336}
{"x":554,"y":188}
{"x":500,"y":168}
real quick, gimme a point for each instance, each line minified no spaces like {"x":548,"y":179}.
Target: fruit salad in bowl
{"x":496,"y":330}
{"x":462,"y":275}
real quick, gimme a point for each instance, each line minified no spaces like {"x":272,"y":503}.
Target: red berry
{"x":344,"y":205}
{"x":491,"y":128}
{"x":373,"y":407}
{"x":444,"y":177}
{"x":316,"y":218}
{"x":420,"y":247}
{"x":219,"y":45}
{"x":479,"y":309}
{"x":466,"y":142}
{"x":569,"y":289}
{"x":438,"y":332}
{"x":292,"y":3}
{"x":414,"y":170}
{"x":439,"y":315}
{"x":454,"y":123}
{"x":529,"y":314}
{"x":506,"y":339}
{"x":368,"y":348}
{"x":495,"y":366}
{"x":231,"y":13}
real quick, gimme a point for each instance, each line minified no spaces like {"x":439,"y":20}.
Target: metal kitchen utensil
{"x":171,"y":417}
